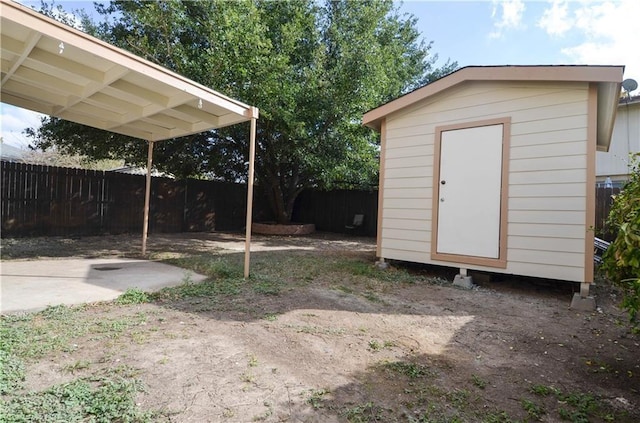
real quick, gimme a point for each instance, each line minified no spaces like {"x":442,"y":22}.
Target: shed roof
{"x":57,"y":70}
{"x":607,"y":78}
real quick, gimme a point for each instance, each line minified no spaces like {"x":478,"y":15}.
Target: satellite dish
{"x":629,"y":85}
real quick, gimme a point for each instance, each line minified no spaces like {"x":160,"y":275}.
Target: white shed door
{"x":470,"y":191}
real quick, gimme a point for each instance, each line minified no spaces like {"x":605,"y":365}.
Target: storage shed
{"x":492,"y":168}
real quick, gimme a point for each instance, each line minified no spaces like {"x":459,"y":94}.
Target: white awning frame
{"x":51,"y":68}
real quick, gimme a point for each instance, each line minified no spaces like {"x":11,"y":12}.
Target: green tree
{"x":312,"y":68}
{"x":621,"y":261}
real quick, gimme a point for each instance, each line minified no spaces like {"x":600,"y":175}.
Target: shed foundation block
{"x":463,"y":281}
{"x":381,"y":264}
{"x":583,"y":303}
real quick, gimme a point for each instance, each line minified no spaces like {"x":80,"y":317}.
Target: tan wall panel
{"x":547,"y":244}
{"x":550,"y":137}
{"x":550,"y":163}
{"x":402,"y":162}
{"x":413,"y":224}
{"x":547,"y":257}
{"x":548,"y":177}
{"x":543,"y":126}
{"x":419,"y":140}
{"x":409,"y":214}
{"x":548,"y":190}
{"x":407,"y":234}
{"x":407,"y":203}
{"x":422,"y":182}
{"x":550,"y":203}
{"x":417,"y":193}
{"x":409,"y":172}
{"x":568,"y":273}
{"x":545,"y":216}
{"x":413,"y":151}
{"x":548,"y":150}
{"x":389,"y":243}
{"x":405,"y":255}
{"x":545,"y":230}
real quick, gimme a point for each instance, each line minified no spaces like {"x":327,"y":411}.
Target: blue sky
{"x":509,"y":32}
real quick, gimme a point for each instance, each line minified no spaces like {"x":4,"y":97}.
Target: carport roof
{"x":57,"y":70}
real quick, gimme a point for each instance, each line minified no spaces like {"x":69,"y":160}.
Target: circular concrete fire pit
{"x":272,"y":228}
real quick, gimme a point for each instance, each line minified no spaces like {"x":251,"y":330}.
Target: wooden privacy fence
{"x":45,"y":200}
{"x":604,"y":201}
{"x":333,"y":211}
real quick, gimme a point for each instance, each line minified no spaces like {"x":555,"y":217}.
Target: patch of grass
{"x":205,"y":264}
{"x":375,"y":345}
{"x":478,"y":381}
{"x":364,"y":413}
{"x":497,"y":417}
{"x":534,"y":410}
{"x":576,"y":407}
{"x":77,"y":366}
{"x":253,"y":360}
{"x":266,"y":285}
{"x":544,"y":390}
{"x":99,"y":399}
{"x":12,"y":372}
{"x":133,"y":296}
{"x":317,"y":330}
{"x":316,"y":398}
{"x":373,"y":297}
{"x":458,"y":397}
{"x":369,"y":270}
{"x":59,"y":328}
{"x":207,"y":289}
{"x":410,"y":370}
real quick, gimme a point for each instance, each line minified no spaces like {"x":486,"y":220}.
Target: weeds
{"x":101,"y":399}
{"x":478,"y":381}
{"x":316,"y":398}
{"x":534,"y":411}
{"x":576,"y":407}
{"x":410,"y":370}
{"x":364,"y":413}
{"x":133,"y":296}
{"x":12,"y":374}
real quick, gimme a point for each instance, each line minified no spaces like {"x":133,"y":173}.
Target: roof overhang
{"x":607,"y":78}
{"x":57,"y":70}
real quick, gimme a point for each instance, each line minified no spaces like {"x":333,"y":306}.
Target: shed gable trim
{"x":607,"y":78}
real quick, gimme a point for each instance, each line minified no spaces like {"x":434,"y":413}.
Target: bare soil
{"x":354,"y":350}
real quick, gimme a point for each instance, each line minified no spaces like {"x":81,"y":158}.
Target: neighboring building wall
{"x":624,"y":140}
{"x":547,"y":173}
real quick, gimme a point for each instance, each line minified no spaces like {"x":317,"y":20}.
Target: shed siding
{"x":547,"y":173}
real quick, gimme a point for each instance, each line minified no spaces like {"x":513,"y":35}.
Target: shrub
{"x":621,"y":261}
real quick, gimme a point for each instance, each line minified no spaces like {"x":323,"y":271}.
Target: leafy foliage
{"x":621,"y":261}
{"x":312,"y":68}
{"x":100,"y":399}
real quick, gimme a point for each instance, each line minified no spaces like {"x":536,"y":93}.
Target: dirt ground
{"x":330,"y":350}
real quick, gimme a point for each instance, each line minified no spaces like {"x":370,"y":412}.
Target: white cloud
{"x":609,"y":30}
{"x":556,"y":20}
{"x":14,"y":120}
{"x":509,"y":15}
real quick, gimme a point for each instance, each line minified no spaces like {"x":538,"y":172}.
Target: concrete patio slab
{"x":34,"y":285}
